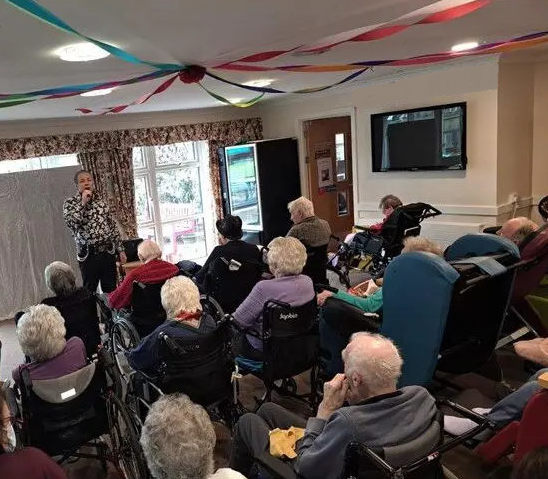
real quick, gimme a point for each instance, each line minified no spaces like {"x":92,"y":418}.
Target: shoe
{"x":482,"y":410}
{"x":457,"y":426}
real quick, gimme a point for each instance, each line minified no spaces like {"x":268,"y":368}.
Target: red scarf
{"x":184,"y":316}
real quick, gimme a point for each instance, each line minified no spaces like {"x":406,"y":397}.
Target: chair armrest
{"x":278,"y":468}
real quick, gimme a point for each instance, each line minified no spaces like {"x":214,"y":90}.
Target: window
{"x":340,"y":157}
{"x":39,"y":163}
{"x":173,"y":199}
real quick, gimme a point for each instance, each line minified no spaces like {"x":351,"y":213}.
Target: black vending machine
{"x":258,"y":180}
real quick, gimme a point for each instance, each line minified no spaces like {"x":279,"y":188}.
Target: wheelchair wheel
{"x":123,"y":337}
{"x":125,"y":447}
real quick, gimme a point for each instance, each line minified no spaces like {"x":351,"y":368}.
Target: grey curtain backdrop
{"x":32,"y":234}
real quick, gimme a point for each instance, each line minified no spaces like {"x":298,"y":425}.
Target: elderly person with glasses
{"x":153,"y":270}
{"x":178,"y":441}
{"x":181,"y":301}
{"x":77,"y":305}
{"x":27,"y":463}
{"x":286,"y":258}
{"x":41,"y":333}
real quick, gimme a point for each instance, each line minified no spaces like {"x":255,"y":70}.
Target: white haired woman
{"x":286,"y":258}
{"x":181,"y":301}
{"x":27,"y":463}
{"x":307,"y":227}
{"x":153,"y":270}
{"x":178,"y":441}
{"x":76,"y":305}
{"x":41,"y":333}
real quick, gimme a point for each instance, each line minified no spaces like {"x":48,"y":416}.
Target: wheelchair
{"x":62,"y":415}
{"x":419,"y":458}
{"x":372,"y":252}
{"x":290,"y":341}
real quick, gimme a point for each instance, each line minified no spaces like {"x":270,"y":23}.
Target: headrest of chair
{"x":543,"y":381}
{"x":537,"y":246}
{"x":407,"y":265}
{"x":410,"y":451}
{"x":480,"y":244}
{"x":486,"y":264}
{"x":66,"y":388}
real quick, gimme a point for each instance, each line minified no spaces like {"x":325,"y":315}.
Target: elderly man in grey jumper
{"x":363,"y":404}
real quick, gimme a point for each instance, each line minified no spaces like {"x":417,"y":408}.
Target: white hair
{"x":302,"y":206}
{"x":376,"y":359}
{"x":178,"y":439}
{"x":180,"y":295}
{"x":148,"y":250}
{"x":420,"y":243}
{"x":286,"y":256}
{"x":60,"y":278}
{"x":41,"y":332}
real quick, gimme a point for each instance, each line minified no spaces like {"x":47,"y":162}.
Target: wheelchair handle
{"x":324,"y":287}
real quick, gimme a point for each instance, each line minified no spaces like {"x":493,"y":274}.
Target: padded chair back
{"x":417,"y":295}
{"x":529,"y":277}
{"x":316,"y":264}
{"x":533,"y":426}
{"x":130,"y":248}
{"x":338,"y":321}
{"x":66,"y":412}
{"x":359,"y":465}
{"x":230,"y":281}
{"x":480,"y":300}
{"x":290,"y":339}
{"x":199,"y":366}
{"x":147,"y":312}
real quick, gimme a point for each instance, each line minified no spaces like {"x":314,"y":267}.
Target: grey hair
{"x":420,"y":243}
{"x":180,"y":294}
{"x":376,"y":359}
{"x":527,"y":227}
{"x":148,"y":250}
{"x":41,"y":332}
{"x":60,"y":278}
{"x":178,"y":439}
{"x":286,"y":256}
{"x":303,"y":206}
{"x":389,"y":201}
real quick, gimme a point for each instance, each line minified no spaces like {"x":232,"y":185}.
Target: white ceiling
{"x":210,"y":31}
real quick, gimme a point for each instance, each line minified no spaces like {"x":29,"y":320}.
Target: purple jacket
{"x":295,"y":290}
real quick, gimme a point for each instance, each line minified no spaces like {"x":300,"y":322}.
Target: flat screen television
{"x":431,"y":138}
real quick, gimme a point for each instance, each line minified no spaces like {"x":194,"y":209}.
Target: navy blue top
{"x":146,"y":356}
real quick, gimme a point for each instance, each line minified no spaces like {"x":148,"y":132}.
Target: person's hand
{"x":123,"y":257}
{"x":86,"y":196}
{"x":334,"y":395}
{"x":323,"y":296}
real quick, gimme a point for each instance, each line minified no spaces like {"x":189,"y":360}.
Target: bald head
{"x":372,"y":366}
{"x":517,"y":229}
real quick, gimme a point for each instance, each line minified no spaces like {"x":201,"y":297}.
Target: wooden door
{"x":329,"y":165}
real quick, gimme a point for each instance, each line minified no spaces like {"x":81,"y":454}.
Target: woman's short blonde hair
{"x":148,"y":250}
{"x":180,"y":295}
{"x":286,"y":256}
{"x":41,"y":332}
{"x":302,"y":206}
{"x":178,"y":439}
{"x":420,"y":243}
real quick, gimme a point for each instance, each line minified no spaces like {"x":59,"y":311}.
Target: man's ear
{"x":356,"y":380}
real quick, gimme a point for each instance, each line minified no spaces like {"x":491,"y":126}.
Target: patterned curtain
{"x":112,"y":172}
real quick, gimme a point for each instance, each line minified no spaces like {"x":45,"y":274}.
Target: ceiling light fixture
{"x":81,"y":52}
{"x":462,"y":47}
{"x":259,"y":83}
{"x":103,"y":91}
{"x":235,"y":100}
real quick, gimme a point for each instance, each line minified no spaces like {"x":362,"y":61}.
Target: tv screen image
{"x":431,"y":138}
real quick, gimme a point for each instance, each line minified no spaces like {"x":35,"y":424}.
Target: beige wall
{"x":540,"y":136}
{"x":468,"y":196}
{"x":515,"y":130}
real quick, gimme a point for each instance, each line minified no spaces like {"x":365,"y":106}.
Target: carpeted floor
{"x":462,"y":462}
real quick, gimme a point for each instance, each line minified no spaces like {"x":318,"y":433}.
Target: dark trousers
{"x":99,"y":267}
{"x":251,"y":434}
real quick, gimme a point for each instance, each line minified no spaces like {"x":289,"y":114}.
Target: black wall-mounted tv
{"x":431,"y":138}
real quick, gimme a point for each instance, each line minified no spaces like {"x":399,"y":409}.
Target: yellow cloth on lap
{"x":282,"y":441}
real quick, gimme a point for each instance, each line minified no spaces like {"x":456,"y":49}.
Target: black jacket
{"x":228,"y":287}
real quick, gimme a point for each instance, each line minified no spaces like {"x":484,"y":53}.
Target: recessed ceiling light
{"x":235,"y":100}
{"x":462,"y":47}
{"x":259,"y":83}
{"x":104,"y":91}
{"x":81,"y":52}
